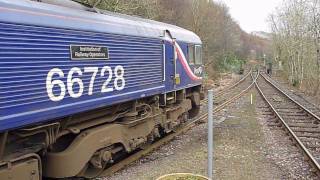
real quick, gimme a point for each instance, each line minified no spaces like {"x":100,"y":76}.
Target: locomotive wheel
{"x":194,"y":111}
{"x":90,"y":171}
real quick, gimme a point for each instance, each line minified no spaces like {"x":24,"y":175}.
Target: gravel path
{"x":240,"y":146}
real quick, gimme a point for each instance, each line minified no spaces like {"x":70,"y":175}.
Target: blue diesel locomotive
{"x":80,"y":87}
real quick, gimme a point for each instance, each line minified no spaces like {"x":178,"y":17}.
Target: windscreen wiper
{"x":93,"y":7}
{"x":82,"y":3}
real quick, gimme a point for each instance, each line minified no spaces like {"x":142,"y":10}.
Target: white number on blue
{"x":71,"y":81}
{"x":94,"y":71}
{"x":74,"y":80}
{"x":50,"y":84}
{"x":105,"y":87}
{"x":119,"y":73}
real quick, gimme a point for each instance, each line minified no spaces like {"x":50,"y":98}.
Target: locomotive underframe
{"x":85,"y":144}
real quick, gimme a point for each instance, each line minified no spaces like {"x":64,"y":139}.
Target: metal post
{"x":210,"y":134}
{"x":3,"y":141}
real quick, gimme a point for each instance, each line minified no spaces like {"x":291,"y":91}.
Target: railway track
{"x":230,"y":91}
{"x":295,"y":117}
{"x":229,"y":88}
{"x":296,"y":96}
{"x":125,"y":162}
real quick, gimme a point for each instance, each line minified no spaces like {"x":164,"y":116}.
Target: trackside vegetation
{"x":225,"y":45}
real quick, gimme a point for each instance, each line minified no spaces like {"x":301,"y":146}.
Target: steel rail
{"x":293,"y":100}
{"x":234,"y":85}
{"x":227,"y":102}
{"x":227,"y":89}
{"x":122,"y":164}
{"x":306,"y":152}
{"x":276,"y":83}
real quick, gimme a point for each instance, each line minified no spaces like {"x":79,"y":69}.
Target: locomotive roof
{"x":42,"y":14}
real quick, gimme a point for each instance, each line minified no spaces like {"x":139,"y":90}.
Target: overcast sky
{"x":252,"y":14}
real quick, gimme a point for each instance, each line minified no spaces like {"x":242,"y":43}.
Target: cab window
{"x":198,"y":55}
{"x":191,"y":54}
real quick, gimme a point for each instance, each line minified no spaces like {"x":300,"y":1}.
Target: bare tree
{"x":296,"y":27}
{"x":222,"y":37}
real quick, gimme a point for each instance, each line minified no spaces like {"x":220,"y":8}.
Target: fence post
{"x":210,"y":134}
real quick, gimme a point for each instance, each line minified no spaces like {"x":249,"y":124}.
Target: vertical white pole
{"x":210,"y":134}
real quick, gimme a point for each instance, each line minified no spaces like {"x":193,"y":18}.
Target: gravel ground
{"x":240,"y":146}
{"x":226,"y":81}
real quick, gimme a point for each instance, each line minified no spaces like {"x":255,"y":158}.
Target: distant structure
{"x":261,"y":34}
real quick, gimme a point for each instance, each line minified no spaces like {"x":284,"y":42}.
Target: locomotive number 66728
{"x":118,"y":83}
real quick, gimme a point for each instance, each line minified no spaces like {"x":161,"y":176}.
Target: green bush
{"x":295,"y":83}
{"x":231,"y":63}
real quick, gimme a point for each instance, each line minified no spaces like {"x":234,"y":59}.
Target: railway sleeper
{"x":288,"y":108}
{"x":302,"y":125}
{"x":307,"y":135}
{"x":300,"y":122}
{"x":297,"y":119}
{"x":291,"y":111}
{"x":294,"y":114}
{"x":306,"y":130}
{"x":313,"y":146}
{"x":312,"y":139}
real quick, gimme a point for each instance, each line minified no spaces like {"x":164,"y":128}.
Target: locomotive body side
{"x":34,"y":55}
{"x":78,"y":89}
